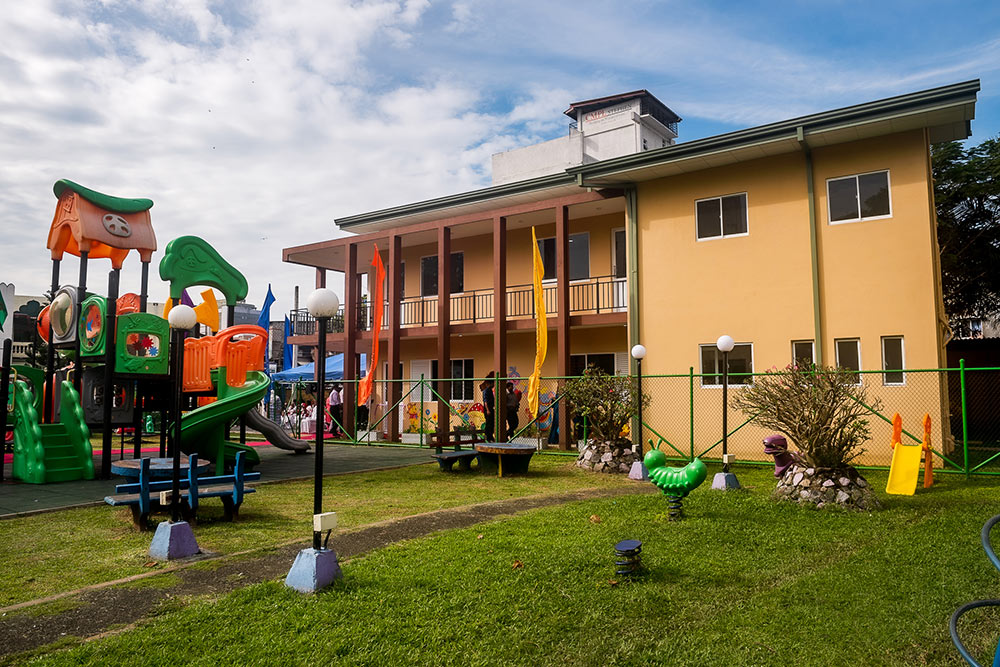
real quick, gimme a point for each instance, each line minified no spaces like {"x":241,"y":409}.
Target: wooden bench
{"x":142,"y":496}
{"x":446,"y":459}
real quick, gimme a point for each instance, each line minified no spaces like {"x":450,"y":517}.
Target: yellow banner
{"x":541,"y":326}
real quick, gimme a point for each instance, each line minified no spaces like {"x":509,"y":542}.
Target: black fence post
{"x":5,"y":395}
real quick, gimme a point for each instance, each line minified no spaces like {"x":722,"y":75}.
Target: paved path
{"x":276,"y":464}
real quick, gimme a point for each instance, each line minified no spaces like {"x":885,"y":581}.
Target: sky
{"x":254,"y":124}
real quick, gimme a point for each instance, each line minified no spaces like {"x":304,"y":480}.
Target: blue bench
{"x":141,"y":496}
{"x":465,"y":457}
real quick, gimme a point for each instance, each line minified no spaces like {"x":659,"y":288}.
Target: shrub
{"x":607,"y":401}
{"x":821,"y":410}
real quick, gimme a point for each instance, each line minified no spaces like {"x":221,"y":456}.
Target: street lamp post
{"x":317,"y":568}
{"x":638,"y":470}
{"x":725,"y":480}
{"x":174,"y":538}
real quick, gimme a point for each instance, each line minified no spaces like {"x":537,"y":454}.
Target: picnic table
{"x":504,"y":457}
{"x":159,"y":468}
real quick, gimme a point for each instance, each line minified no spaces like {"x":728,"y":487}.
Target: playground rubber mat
{"x":17,"y":498}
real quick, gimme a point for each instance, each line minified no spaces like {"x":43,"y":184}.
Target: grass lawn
{"x":59,"y":551}
{"x":741,"y":581}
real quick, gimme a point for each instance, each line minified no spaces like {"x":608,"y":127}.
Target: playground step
{"x":63,"y":474}
{"x":59,"y":462}
{"x":53,"y":431}
{"x":57,"y":449}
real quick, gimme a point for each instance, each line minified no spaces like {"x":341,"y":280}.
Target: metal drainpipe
{"x":813,"y":248}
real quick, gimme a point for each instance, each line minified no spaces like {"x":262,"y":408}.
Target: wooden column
{"x":350,"y":335}
{"x":395,"y":389}
{"x":500,"y":321}
{"x":320,"y":278}
{"x":562,"y":321}
{"x":444,"y":332}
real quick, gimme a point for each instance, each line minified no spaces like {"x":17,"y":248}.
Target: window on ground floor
{"x":893,"y":360}
{"x":849,"y":354}
{"x":578,"y":363}
{"x":803,"y":353}
{"x":462,"y":368}
{"x":740,"y":365}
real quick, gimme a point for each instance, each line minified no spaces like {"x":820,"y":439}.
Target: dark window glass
{"x":892,"y":360}
{"x":709,"y":220}
{"x":874,"y":194}
{"x":547,"y":249}
{"x":843,"y":195}
{"x":457,"y":272}
{"x":428,"y":276}
{"x":579,"y":257}
{"x":802,"y":353}
{"x":849,"y":356}
{"x":460,"y":369}
{"x":578,"y":363}
{"x":619,"y":240}
{"x":734,"y":214}
{"x":740,"y":365}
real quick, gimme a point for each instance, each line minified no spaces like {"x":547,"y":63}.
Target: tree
{"x":607,"y":401}
{"x":967,"y":197}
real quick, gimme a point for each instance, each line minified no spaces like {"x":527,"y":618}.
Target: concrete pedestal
{"x":638,"y":472}
{"x":172,"y":541}
{"x":313,"y":570}
{"x":725,"y":481}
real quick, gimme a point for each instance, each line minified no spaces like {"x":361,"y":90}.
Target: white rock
{"x":797,"y":478}
{"x":606,"y":457}
{"x":844,"y":481}
{"x":842,"y":497}
{"x":828,"y":482}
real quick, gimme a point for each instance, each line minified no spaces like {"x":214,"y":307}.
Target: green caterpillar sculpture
{"x":676,"y":482}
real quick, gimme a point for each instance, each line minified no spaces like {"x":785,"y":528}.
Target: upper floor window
{"x":859,"y":197}
{"x":721,"y":216}
{"x":429,"y":274}
{"x":579,"y":256}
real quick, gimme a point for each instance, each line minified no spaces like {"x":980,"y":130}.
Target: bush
{"x":607,"y":401}
{"x":821,"y":410}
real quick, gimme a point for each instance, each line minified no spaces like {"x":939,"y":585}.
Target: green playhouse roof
{"x":107,"y":202}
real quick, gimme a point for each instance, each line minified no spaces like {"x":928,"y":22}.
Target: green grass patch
{"x":741,"y":581}
{"x":59,"y":551}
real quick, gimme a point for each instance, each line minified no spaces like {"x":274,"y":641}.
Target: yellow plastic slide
{"x":905,"y":467}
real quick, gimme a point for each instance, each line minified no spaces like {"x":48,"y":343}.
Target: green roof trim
{"x":836,"y":118}
{"x":107,"y":202}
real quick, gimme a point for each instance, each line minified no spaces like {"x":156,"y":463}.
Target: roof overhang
{"x":947,"y":112}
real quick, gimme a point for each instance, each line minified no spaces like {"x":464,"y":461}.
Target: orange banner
{"x":365,"y":387}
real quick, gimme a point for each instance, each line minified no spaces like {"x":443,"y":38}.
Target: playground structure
{"x":675,"y":483}
{"x":905,"y":467}
{"x":119,"y":358}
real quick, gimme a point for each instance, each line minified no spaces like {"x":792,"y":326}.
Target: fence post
{"x":691,"y":405}
{"x":421,"y":438}
{"x":965,"y":421}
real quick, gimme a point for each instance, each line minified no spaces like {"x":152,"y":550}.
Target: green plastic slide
{"x":204,"y":430}
{"x":46,"y":453}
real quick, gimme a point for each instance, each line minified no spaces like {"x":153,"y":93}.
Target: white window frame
{"x":836,"y":352}
{"x":902,"y":355}
{"x":722,"y":226}
{"x":857,"y":190}
{"x":812,"y":344}
{"x":753,"y":365}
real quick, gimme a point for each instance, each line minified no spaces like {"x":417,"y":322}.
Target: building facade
{"x":810,"y":239}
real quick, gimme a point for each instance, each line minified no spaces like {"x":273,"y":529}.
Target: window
{"x":968,"y":327}
{"x":429,"y":274}
{"x":860,"y":197}
{"x":893,"y":360}
{"x":803,"y":353}
{"x":579,"y":256}
{"x":618,"y":245}
{"x":462,"y":368}
{"x":721,"y":216}
{"x":849,"y":354}
{"x":740,"y":364}
{"x":578,"y":363}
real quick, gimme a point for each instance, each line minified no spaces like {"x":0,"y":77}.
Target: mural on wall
{"x":462,"y":414}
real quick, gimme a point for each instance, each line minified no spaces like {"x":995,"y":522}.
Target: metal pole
{"x":691,"y":406}
{"x":321,"y":399}
{"x":50,"y":360}
{"x":80,"y":296}
{"x":421,"y":438}
{"x":638,"y":370}
{"x":965,"y":421}
{"x":109,"y":371}
{"x":725,"y":412}
{"x":175,"y":505}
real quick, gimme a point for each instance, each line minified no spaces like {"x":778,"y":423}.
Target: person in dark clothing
{"x":489,"y":406}
{"x":513,"y":402}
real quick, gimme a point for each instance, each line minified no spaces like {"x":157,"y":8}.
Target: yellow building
{"x":812,"y":238}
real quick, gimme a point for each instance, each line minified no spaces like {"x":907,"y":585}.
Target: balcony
{"x":592,"y":296}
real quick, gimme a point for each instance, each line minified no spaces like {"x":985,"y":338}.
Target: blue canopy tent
{"x":307,"y":372}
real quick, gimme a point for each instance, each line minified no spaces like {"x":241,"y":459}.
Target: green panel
{"x":204,"y":430}
{"x":45,"y":453}
{"x":143,"y":344}
{"x":92,"y":329}
{"x":107,"y":202}
{"x":29,"y":454}
{"x":189,"y":260}
{"x":37,"y":378}
{"x":77,"y":438}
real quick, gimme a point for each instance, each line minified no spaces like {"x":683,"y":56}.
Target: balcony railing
{"x":592,"y":296}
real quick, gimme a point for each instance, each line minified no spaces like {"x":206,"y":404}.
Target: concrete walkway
{"x":276,"y":464}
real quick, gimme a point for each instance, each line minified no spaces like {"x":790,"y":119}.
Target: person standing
{"x":513,"y":402}
{"x":336,"y":405}
{"x":489,"y":406}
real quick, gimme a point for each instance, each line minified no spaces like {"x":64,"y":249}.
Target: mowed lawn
{"x":740,"y":581}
